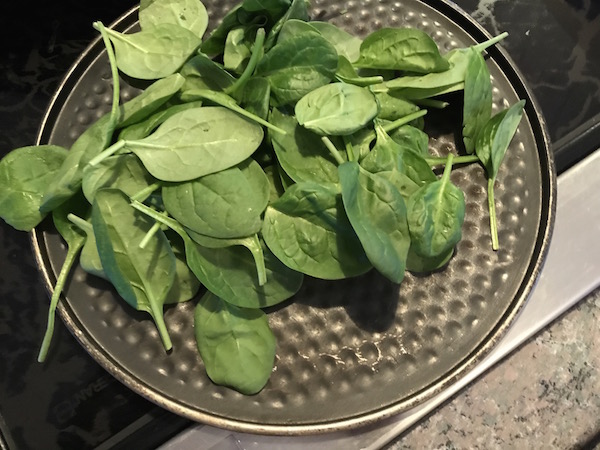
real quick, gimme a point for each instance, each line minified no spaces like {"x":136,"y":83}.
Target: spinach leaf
{"x":188,"y":14}
{"x":300,"y":152}
{"x":194,"y":143}
{"x":252,"y":243}
{"x":419,"y":264}
{"x":406,"y":49}
{"x":215,"y":43}
{"x":236,"y":344}
{"x":238,"y":49}
{"x":412,"y":138}
{"x":230,"y":272}
{"x":185,"y":285}
{"x":153,"y":53}
{"x":151,"y":98}
{"x":297,"y":66}
{"x":144,"y":128}
{"x":222,"y":99}
{"x":346,"y":44}
{"x":266,"y":5}
{"x":295,"y":27}
{"x":477,"y":107}
{"x":377,"y":213}
{"x":201,"y":72}
{"x":68,"y":179}
{"x":297,"y":10}
{"x":346,"y":73}
{"x":336,"y":109}
{"x":125,"y":172}
{"x":89,"y":259}
{"x":225,"y":204}
{"x":393,"y":107}
{"x":435,"y":216}
{"x":143,"y":277}
{"x":491,"y":145}
{"x":24,"y":177}
{"x":308,"y":230}
{"x":255,"y":96}
{"x":75,"y":240}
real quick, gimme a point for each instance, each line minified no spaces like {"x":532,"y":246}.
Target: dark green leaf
{"x":477,"y":108}
{"x":308,"y":230}
{"x":406,"y":49}
{"x":236,"y":344}
{"x":377,"y":213}
{"x":201,"y":72}
{"x":336,"y":109}
{"x":24,"y":177}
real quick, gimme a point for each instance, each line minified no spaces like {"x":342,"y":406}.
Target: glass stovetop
{"x":70,"y":402}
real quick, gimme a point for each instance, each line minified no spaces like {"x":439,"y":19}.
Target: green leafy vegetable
{"x":188,"y":14}
{"x":236,"y":344}
{"x":477,"y":108}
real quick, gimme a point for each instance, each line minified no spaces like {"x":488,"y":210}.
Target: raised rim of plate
{"x":541,"y":135}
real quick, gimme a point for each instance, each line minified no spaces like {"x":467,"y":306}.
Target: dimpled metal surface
{"x":349,"y":352}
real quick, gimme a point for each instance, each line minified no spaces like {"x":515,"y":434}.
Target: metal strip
{"x":559,"y":287}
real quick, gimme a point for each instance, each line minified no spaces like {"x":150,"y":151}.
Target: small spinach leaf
{"x":336,"y":109}
{"x":477,"y":108}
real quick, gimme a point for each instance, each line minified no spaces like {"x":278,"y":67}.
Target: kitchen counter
{"x":545,"y":395}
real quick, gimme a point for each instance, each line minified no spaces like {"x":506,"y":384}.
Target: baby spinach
{"x":308,"y":230}
{"x":230,"y":272}
{"x":393,"y":107}
{"x":236,"y":344}
{"x":336,"y":109}
{"x":24,"y":177}
{"x":255,"y":96}
{"x":225,"y":204}
{"x":297,"y":66}
{"x":201,"y":72}
{"x":435,"y":216}
{"x":238,"y":49}
{"x":152,"y":98}
{"x":298,"y":9}
{"x":155,"y":52}
{"x":192,"y":143}
{"x":252,"y":243}
{"x":477,"y":107}
{"x":377,"y":213}
{"x":185,"y":285}
{"x":346,"y":73}
{"x":124,"y":172}
{"x":413,"y":138}
{"x":143,"y":277}
{"x":89,"y":259}
{"x":420,"y":264}
{"x":188,"y":14}
{"x":407,"y":49}
{"x":346,"y":44}
{"x":491,"y":145}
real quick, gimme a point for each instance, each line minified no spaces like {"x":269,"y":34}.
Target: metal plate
{"x":349,"y":352}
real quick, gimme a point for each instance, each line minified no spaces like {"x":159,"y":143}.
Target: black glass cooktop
{"x":70,"y":402}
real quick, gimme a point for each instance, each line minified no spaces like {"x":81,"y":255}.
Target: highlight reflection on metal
{"x":446,"y":330}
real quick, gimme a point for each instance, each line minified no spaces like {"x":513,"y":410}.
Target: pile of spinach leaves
{"x":275,"y":148}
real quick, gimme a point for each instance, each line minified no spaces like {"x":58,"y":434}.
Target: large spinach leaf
{"x":236,"y":344}
{"x":188,"y":14}
{"x":143,"y":277}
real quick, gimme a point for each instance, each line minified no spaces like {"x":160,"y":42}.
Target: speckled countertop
{"x":545,"y":395}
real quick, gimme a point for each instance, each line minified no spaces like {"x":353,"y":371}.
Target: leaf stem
{"x":448,"y":167}
{"x":252,"y":62}
{"x":80,"y":223}
{"x":157,"y":314}
{"x":72,"y":253}
{"x":108,"y":152}
{"x":493,"y":220}
{"x":484,"y":45}
{"x":145,"y":193}
{"x":349,"y":149}
{"x":432,"y":103}
{"x":333,"y":150}
{"x":259,"y":260}
{"x":466,"y":159}
{"x":115,"y":111}
{"x":388,"y":127}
